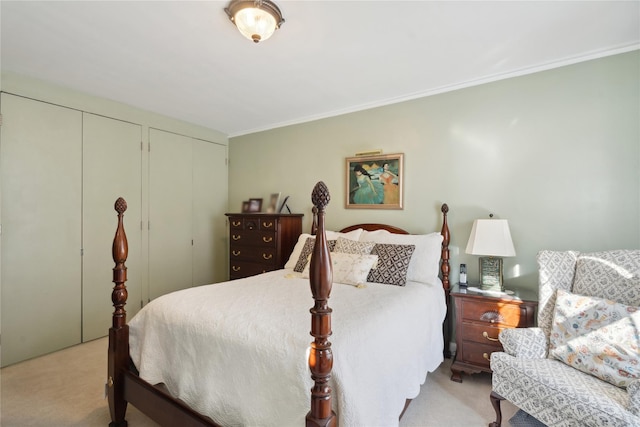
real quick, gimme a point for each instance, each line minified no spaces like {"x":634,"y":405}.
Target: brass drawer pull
{"x":267,"y":256}
{"x":236,"y":237}
{"x":486,"y":356}
{"x":265,"y":225}
{"x":234,"y":268}
{"x":236,"y":223}
{"x":267,"y":239}
{"x":235,"y":253}
{"x":486,"y":335}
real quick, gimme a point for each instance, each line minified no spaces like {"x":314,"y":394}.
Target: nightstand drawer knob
{"x":236,"y":237}
{"x":267,"y":256}
{"x":486,"y":356}
{"x":236,"y":253}
{"x":236,"y":269}
{"x":486,"y":335}
{"x":267,"y":239}
{"x":267,"y":225}
{"x":236,"y":223}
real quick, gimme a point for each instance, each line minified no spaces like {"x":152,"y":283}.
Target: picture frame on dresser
{"x":375,"y":181}
{"x":255,"y":205}
{"x":274,"y":203}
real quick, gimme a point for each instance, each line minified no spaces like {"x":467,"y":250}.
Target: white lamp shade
{"x":490,"y":237}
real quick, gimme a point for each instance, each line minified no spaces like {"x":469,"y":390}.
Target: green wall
{"x":557,"y":153}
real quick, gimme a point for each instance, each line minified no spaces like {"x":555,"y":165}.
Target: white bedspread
{"x":237,"y":351}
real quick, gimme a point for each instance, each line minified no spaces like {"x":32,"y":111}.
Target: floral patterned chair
{"x":581,"y":365}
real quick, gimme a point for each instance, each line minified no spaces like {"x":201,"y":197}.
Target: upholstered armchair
{"x":581,"y":365}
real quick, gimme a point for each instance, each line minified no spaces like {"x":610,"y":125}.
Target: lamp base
{"x":491,"y":274}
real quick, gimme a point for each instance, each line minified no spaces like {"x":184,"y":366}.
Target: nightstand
{"x":480,"y":316}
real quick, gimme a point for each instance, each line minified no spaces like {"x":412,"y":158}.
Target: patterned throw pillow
{"x":348,"y":246}
{"x":349,"y":269}
{"x":597,"y":336}
{"x":393,"y":263}
{"x":303,"y":259}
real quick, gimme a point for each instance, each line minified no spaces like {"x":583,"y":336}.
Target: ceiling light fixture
{"x":255,"y":19}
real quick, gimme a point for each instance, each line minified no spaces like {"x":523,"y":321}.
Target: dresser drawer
{"x":481,"y":333}
{"x":253,"y":238}
{"x":511,"y":315}
{"x":239,"y":269}
{"x":265,"y":224}
{"x":262,"y":255}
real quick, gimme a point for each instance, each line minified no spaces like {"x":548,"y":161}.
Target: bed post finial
{"x":320,"y":355}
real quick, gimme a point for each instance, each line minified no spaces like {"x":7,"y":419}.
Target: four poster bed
{"x":239,"y":352}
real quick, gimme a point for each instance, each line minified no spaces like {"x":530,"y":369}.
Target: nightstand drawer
{"x":493,"y":313}
{"x":483,"y":334}
{"x":478,"y":354}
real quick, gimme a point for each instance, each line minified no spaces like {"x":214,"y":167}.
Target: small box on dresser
{"x":479,"y":319}
{"x":261,"y":242}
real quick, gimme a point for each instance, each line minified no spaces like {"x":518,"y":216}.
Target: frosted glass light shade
{"x":490,"y":237}
{"x":257,"y":20}
{"x":255,"y":24}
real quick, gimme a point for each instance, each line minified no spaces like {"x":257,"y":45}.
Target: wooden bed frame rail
{"x":124,"y":386}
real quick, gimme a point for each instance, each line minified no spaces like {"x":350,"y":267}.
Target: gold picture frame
{"x":375,"y":182}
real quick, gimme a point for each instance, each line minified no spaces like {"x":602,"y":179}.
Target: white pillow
{"x":331,"y":235}
{"x":349,"y":269}
{"x":349,"y":246}
{"x":424,"y":266}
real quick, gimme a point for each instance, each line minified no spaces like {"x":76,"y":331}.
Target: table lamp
{"x":491,"y":239}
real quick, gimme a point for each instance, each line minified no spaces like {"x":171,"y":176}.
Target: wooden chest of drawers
{"x":260,"y":242}
{"x":479,"y":320}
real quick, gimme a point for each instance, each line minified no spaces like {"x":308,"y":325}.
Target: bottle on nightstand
{"x":463,"y":275}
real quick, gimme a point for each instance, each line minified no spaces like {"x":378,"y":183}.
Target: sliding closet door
{"x":170,"y":212}
{"x":112,"y":159}
{"x":209,"y":205}
{"x":41,"y":174}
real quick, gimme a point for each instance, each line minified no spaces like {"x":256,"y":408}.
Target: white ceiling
{"x":185,"y":59}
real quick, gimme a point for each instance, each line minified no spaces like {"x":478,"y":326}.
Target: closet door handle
{"x":486,"y":335}
{"x":267,"y":239}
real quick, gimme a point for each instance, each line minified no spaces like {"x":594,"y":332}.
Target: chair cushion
{"x":560,"y":395}
{"x":614,"y":275}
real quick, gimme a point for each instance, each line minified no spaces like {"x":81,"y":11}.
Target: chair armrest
{"x":527,"y":343}
{"x":633,"y":389}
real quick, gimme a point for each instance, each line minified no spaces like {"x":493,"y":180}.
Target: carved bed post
{"x":118,"y":354}
{"x":320,"y":355}
{"x":444,"y":268}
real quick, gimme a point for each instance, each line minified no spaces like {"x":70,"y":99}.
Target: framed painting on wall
{"x":374,"y":182}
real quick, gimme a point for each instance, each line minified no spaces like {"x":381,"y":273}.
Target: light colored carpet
{"x":66,"y":388}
